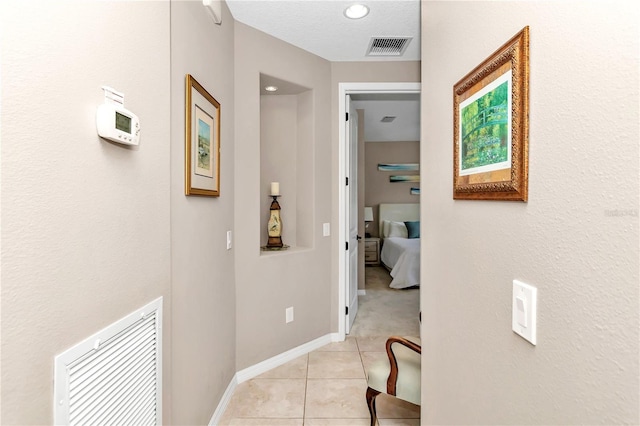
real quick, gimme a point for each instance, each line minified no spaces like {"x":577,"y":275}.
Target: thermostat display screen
{"x":116,"y":123}
{"x":123,"y":122}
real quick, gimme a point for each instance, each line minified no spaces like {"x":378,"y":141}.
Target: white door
{"x":347,"y":287}
{"x":352,"y":214}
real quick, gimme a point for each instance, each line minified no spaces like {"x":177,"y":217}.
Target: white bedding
{"x":402,"y":257}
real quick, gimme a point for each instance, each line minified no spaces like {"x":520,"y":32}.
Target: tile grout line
{"x":364,"y":370}
{"x":306,"y":387}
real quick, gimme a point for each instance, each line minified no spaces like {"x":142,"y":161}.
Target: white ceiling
{"x":406,"y":109}
{"x":320,"y":27}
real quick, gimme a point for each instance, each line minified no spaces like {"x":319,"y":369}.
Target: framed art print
{"x":202,"y":141}
{"x":491,"y":126}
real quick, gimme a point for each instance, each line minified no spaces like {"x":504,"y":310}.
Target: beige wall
{"x":576,"y":239}
{"x":202,"y":269}
{"x":378,"y":188}
{"x":354,"y":72}
{"x":85,"y":223}
{"x":268,"y":283}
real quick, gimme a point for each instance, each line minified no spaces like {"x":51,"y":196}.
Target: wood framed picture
{"x":202,"y":141}
{"x":491,"y":126}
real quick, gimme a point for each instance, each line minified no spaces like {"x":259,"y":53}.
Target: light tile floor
{"x":324,"y":387}
{"x":328,"y":385}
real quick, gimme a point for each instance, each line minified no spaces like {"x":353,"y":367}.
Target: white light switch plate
{"x":289,"y":314}
{"x":326,"y":229}
{"x":229,"y":240}
{"x":524,"y":307}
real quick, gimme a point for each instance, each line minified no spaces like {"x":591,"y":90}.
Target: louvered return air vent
{"x":388,"y":46}
{"x":115,"y":376}
{"x":388,"y":118}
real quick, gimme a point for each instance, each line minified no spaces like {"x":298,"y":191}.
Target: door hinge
{"x":346,"y":245}
{"x":347,"y":181}
{"x":347,"y":117}
{"x":346,"y":310}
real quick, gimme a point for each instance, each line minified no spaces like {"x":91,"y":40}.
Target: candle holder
{"x":274,"y":226}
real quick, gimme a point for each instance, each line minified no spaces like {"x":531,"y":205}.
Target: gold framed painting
{"x":202,"y":141}
{"x":491,"y":126}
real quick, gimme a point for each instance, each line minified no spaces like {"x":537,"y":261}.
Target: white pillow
{"x":397,"y":229}
{"x":385,"y":228}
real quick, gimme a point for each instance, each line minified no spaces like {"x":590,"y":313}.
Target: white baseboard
{"x":362,"y":292}
{"x":266,"y":365}
{"x":224,"y":402}
{"x":283,"y":358}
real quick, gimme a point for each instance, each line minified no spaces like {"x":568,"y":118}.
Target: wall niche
{"x":286,"y":156}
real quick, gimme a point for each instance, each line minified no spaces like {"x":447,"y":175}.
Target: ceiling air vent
{"x":388,"y":46}
{"x":388,"y":118}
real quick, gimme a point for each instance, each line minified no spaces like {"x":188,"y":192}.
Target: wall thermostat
{"x":115,"y":122}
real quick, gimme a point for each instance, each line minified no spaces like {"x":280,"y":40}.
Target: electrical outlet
{"x":289,"y":314}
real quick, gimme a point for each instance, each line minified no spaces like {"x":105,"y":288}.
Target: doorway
{"x":347,"y":277}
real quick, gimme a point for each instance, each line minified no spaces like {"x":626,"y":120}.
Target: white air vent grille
{"x":114,"y":377}
{"x":388,"y":46}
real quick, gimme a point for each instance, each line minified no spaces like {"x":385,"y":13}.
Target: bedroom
{"x":389,"y":195}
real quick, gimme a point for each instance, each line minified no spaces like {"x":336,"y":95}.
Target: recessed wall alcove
{"x":286,"y":156}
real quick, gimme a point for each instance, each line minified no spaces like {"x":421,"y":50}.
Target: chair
{"x":398,"y":376}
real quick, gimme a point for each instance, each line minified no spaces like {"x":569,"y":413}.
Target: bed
{"x":400,"y":235}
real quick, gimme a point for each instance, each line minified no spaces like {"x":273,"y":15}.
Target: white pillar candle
{"x":275,"y":188}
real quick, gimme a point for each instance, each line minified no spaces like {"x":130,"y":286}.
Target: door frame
{"x":351,"y":214}
{"x":345,"y":89}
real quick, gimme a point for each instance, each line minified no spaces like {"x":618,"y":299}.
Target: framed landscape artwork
{"x":202,"y":141}
{"x":491,"y":126}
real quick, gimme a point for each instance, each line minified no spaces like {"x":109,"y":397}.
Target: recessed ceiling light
{"x":356,"y":11}
{"x":271,"y":88}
